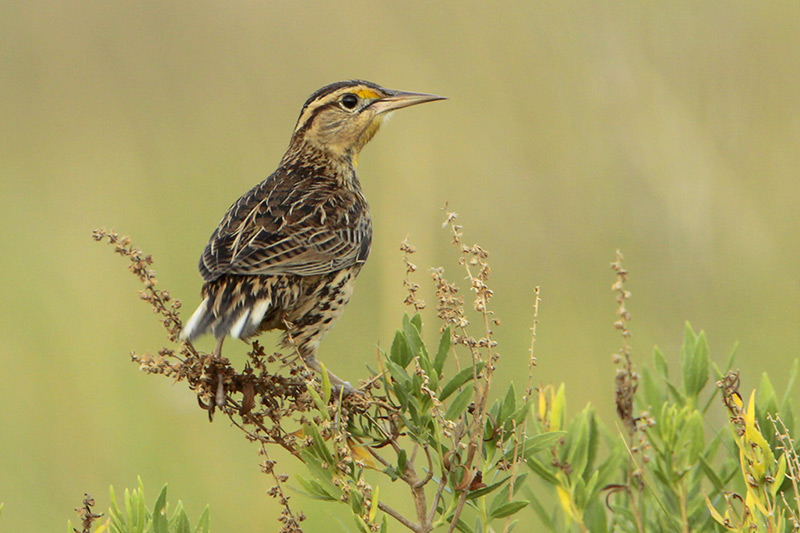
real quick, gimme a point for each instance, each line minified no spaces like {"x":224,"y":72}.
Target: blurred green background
{"x":669,"y":130}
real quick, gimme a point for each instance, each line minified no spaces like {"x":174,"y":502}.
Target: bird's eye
{"x":349,"y":101}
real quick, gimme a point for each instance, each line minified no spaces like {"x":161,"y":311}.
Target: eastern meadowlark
{"x":286,"y":253}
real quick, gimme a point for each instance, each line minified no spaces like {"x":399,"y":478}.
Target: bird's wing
{"x":282,"y":228}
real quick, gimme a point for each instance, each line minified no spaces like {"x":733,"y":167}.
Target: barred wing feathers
{"x":282,"y":226}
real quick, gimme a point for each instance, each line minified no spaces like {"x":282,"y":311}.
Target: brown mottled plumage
{"x":285,"y":255}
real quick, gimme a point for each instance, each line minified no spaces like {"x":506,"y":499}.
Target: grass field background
{"x":669,"y":130}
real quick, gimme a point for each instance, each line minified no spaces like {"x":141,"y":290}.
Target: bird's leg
{"x":336,"y":381}
{"x":218,"y":350}
{"x":310,"y":360}
{"x":220,"y":399}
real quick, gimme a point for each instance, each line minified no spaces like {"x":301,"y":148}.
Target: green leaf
{"x":578,"y":441}
{"x":694,"y":362}
{"x":607,"y":470}
{"x":486,"y":490}
{"x":402,"y":460}
{"x":711,"y":474}
{"x":579,"y":492}
{"x":459,"y":404}
{"x":326,"y":385}
{"x":508,"y":406}
{"x":362,"y":526}
{"x":441,"y":353}
{"x":204,"y":523}
{"x":521,"y":414}
{"x":490,"y":438}
{"x":400,"y":352}
{"x":356,"y":502}
{"x":399,"y":374}
{"x":539,"y":468}
{"x":433,"y":376}
{"x":652,"y":394}
{"x":676,"y":393}
{"x":591,"y":487}
{"x":413,"y":336}
{"x":317,"y":489}
{"x":559,"y":409}
{"x":594,"y":517}
{"x":391,"y":472}
{"x":459,"y":379}
{"x":321,"y":406}
{"x":318,"y":443}
{"x":660,"y":362}
{"x":507,"y":509}
{"x":373,"y":508}
{"x":767,"y":399}
{"x":591,"y":452}
{"x":129,"y":517}
{"x":542,"y":441}
{"x":116,"y":515}
{"x":790,"y":384}
{"x":139,"y":504}
{"x":689,"y":340}
{"x":544,"y":517}
{"x":519,"y":482}
{"x":181,"y":524}
{"x":160,"y":524}
{"x":400,"y":390}
{"x":417,"y":321}
{"x":732,"y":356}
{"x":460,"y":525}
{"x":499,"y":499}
{"x":695,"y":436}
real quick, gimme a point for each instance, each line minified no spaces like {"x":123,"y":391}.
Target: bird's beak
{"x":400,"y":99}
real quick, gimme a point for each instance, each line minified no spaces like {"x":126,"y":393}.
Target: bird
{"x":286,"y":254}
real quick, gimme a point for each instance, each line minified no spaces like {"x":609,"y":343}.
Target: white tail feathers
{"x":238,"y":326}
{"x":246,"y":324}
{"x":258,"y":312}
{"x":189,"y":330}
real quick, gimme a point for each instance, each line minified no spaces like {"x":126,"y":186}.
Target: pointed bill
{"x":400,"y":99}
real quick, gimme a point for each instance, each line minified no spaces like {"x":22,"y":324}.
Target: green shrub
{"x":476,"y":455}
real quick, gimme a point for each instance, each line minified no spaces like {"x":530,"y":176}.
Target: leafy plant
{"x":134,"y":516}
{"x":476,"y":455}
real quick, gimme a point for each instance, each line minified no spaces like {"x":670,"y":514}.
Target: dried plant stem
{"x":410,"y":286}
{"x":436,"y":497}
{"x":88,"y":516}
{"x":399,"y":517}
{"x":627,"y":382}
{"x":417,"y":486}
{"x":531,"y":351}
{"x":518,"y":441}
{"x":462,"y":498}
{"x":792,"y":462}
{"x":418,"y":493}
{"x":476,"y":256}
{"x":267,"y":398}
{"x":290,"y":521}
{"x":520,"y":434}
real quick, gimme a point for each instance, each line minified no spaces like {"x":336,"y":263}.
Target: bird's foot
{"x":345,"y":389}
{"x":340,"y":386}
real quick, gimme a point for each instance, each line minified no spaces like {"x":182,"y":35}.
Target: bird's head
{"x":340,"y":118}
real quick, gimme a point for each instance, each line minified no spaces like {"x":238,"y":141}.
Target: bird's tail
{"x":221,"y":315}
{"x":199,"y":323}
